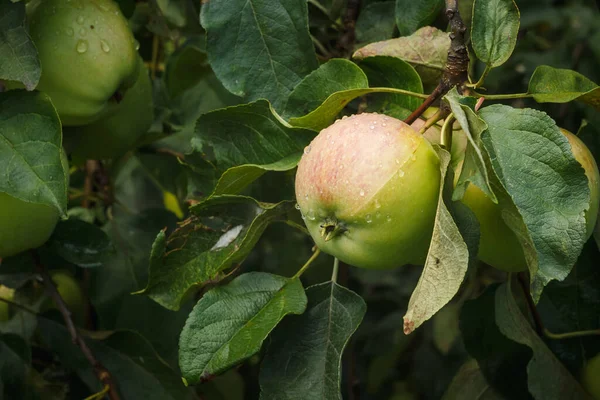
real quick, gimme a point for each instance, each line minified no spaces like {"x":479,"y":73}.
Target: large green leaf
{"x":30,"y":149}
{"x":547,"y":378}
{"x":445,"y":266}
{"x":247,"y":141}
{"x":494,"y":30}
{"x":303,"y":360}
{"x":411,"y":15}
{"x":426,"y":50}
{"x":259,"y":48}
{"x":133,"y":363}
{"x":384,"y":71}
{"x":15,"y":359}
{"x":534,"y":163}
{"x":80,"y":243}
{"x":333,"y":76}
{"x":230,"y":323}
{"x":554,"y":85}
{"x":18,"y":56}
{"x":375,"y":22}
{"x":222,"y":232}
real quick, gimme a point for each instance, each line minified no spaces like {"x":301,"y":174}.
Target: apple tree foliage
{"x":187,"y":269}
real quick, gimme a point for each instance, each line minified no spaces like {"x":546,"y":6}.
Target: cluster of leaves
{"x":189,"y":258}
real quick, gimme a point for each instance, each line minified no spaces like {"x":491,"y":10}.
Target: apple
{"x":25,"y":225}
{"x":367,"y":187}
{"x":590,"y":377}
{"x":88,"y":56}
{"x":113,"y":136}
{"x":71,"y":293}
{"x":498,"y":245}
{"x":8,"y":294}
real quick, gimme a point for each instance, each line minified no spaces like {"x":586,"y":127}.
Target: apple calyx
{"x":331,"y":228}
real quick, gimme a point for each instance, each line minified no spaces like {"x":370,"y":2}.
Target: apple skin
{"x":25,"y":225}
{"x":590,"y":377}
{"x":499,"y":246}
{"x":88,"y":55}
{"x":115,"y":135}
{"x":368,"y":187}
{"x":71,"y":293}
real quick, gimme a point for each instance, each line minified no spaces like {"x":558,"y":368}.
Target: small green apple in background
{"x":71,"y":293}
{"x":25,"y":225}
{"x":8,"y":294}
{"x":88,"y":55}
{"x":499,"y":246}
{"x":114,"y":135}
{"x":590,"y":377}
{"x":368,"y":187}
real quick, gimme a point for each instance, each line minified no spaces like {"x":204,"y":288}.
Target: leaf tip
{"x":409,"y":326}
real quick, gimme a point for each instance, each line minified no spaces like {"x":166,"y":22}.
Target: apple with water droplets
{"x":87,"y":53}
{"x":367,"y":187}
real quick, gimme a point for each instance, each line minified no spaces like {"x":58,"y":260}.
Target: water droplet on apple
{"x":104,"y":46}
{"x":362,"y":192}
{"x":82,"y":46}
{"x":377,"y":205}
{"x":372,"y":127}
{"x":307,"y":149}
{"x":384,"y":124}
{"x":400,"y":173}
{"x":297,"y":206}
{"x":69,"y":31}
{"x":368,"y":218}
{"x":389,"y":218}
{"x":137,"y":47}
{"x":80,"y":20}
{"x":82,"y":32}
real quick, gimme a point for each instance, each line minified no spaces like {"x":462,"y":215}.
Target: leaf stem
{"x":102,"y":373}
{"x":569,"y":335}
{"x":400,"y":91}
{"x":478,"y":84}
{"x":439,"y":115}
{"x":19,"y":306}
{"x":307,"y":264}
{"x":336,"y":267}
{"x":446,"y":133}
{"x":503,"y":96}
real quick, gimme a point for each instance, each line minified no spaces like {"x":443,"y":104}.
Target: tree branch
{"x":346,"y":41}
{"x":457,"y":64}
{"x":101,"y":372}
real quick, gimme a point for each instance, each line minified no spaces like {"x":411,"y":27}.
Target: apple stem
{"x":102,"y":373}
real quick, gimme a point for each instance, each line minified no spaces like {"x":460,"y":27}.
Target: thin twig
{"x":457,"y":64}
{"x":539,"y":325}
{"x":101,"y":372}
{"x":346,"y":40}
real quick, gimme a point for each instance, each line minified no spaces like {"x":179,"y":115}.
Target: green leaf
{"x":80,"y":243}
{"x":547,"y":378}
{"x":259,"y":50}
{"x":494,"y":30}
{"x":392,"y":72}
{"x":30,"y":149}
{"x":534,"y":163}
{"x":230,"y":323}
{"x":469,"y":383}
{"x":333,"y":76}
{"x":445,"y":266}
{"x":411,"y":15}
{"x":131,"y":360}
{"x":572,"y":305}
{"x":376,"y":22}
{"x":18,"y":55}
{"x":501,"y":360}
{"x":303,"y":360}
{"x":248,"y":140}
{"x":554,"y":85}
{"x":473,"y":169}
{"x":426,"y":50}
{"x":15,"y":359}
{"x":222,"y":233}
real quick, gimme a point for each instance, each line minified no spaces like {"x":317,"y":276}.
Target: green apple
{"x":113,"y":136}
{"x":499,"y":246}
{"x":368,"y":187}
{"x":25,"y":225}
{"x":590,"y":377}
{"x":71,"y":293}
{"x":8,"y":294}
{"x":88,"y":56}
